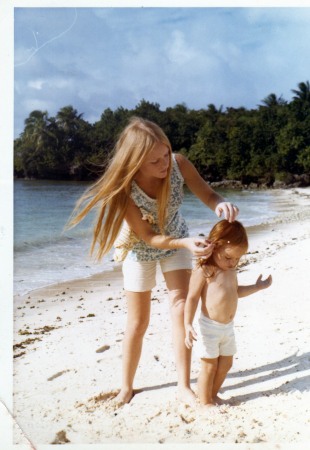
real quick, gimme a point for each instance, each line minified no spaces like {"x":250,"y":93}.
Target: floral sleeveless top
{"x":175,"y":223}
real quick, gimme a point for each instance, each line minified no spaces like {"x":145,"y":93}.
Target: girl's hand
{"x":263,"y":284}
{"x":202,"y":248}
{"x":190,"y":336}
{"x":229,"y":210}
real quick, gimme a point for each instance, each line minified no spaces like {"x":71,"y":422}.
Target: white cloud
{"x":116,"y":56}
{"x":179,"y":51}
{"x":60,"y":83}
{"x":36,"y":84}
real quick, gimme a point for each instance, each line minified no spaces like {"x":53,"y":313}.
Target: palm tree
{"x":69,"y":124}
{"x":301,"y":101}
{"x":272,"y":100}
{"x":40,"y":132}
{"x":303,"y":94}
{"x":39,"y":144}
{"x":213,"y":113}
{"x":38,"y":129}
{"x":68,"y":119}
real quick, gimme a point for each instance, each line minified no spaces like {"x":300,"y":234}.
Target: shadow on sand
{"x":278,"y":369}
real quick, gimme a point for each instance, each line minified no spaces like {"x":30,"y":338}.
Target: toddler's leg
{"x":224,"y":365}
{"x":206,"y":380}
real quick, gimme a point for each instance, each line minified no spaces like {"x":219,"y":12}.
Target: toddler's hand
{"x":263,"y":284}
{"x":190,"y":336}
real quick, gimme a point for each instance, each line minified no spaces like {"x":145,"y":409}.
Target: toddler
{"x":214,"y":281}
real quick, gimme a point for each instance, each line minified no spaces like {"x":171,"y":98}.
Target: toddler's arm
{"x":260,"y":284}
{"x":196,"y":284}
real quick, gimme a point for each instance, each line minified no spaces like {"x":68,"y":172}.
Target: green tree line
{"x":262,"y":145}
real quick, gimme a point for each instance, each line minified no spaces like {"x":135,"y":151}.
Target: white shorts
{"x":214,"y":338}
{"x":140,"y":276}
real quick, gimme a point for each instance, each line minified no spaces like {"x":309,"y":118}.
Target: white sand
{"x":68,"y":346}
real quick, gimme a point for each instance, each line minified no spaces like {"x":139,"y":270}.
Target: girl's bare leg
{"x":206,"y":381}
{"x":224,"y":365}
{"x":177,"y":284}
{"x":138,"y":316}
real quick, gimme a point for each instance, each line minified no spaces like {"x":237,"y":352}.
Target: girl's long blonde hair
{"x":112,"y":191}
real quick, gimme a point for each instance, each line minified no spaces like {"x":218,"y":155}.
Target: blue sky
{"x":97,"y":58}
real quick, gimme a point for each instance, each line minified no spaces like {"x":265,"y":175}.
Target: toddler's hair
{"x":232,"y":233}
{"x":226,"y":233}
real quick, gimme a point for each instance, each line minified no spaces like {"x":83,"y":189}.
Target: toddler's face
{"x":227,"y":257}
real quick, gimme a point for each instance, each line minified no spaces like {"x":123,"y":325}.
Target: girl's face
{"x":227,"y":257}
{"x":156,"y":163}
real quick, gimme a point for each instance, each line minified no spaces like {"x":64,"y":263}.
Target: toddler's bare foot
{"x":219,"y":401}
{"x":187,"y":396}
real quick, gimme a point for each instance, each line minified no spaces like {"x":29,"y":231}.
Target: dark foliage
{"x":263,"y":146}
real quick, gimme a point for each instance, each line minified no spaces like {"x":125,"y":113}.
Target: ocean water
{"x":45,"y":254}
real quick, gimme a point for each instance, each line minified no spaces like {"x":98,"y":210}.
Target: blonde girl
{"x":214,"y":281}
{"x":142,"y":190}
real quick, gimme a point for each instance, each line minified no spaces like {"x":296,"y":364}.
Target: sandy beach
{"x":68,"y":347}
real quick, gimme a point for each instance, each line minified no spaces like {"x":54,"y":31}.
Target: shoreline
{"x":301,"y":181}
{"x":284,"y":204}
{"x":256,"y":234}
{"x":68,"y":349}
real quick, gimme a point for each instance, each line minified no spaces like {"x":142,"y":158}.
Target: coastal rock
{"x":227,"y":184}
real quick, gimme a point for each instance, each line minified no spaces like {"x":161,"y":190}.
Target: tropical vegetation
{"x":264,"y":145}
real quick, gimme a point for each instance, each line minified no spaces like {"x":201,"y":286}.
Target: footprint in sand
{"x":107,"y":400}
{"x":103,"y":349}
{"x":187,"y":413}
{"x":60,"y":438}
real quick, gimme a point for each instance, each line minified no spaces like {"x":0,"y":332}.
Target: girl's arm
{"x":199,"y":187}
{"x":196,"y":285}
{"x":198,"y":246}
{"x":260,"y":284}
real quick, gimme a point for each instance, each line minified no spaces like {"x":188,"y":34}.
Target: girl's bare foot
{"x":124,"y":396}
{"x":208,"y":408}
{"x":187,"y":396}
